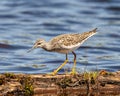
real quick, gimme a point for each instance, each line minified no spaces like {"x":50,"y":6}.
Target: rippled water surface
{"x":24,"y":21}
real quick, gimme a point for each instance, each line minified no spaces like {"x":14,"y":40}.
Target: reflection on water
{"x":22,"y":22}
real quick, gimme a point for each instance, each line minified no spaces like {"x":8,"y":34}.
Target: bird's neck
{"x":47,"y":46}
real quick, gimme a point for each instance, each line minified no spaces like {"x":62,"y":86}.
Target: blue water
{"x":22,"y":22}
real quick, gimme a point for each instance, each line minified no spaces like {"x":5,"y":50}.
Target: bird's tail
{"x":93,"y":31}
{"x":90,"y":33}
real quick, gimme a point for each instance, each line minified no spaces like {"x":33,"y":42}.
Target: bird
{"x":64,"y":43}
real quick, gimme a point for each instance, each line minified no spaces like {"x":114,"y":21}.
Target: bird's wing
{"x":68,"y":41}
{"x":65,"y":41}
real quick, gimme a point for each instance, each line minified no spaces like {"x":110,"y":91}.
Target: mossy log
{"x":60,"y":85}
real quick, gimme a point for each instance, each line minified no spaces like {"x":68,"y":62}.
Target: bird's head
{"x":38,"y":44}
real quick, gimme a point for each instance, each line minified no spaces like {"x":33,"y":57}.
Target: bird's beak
{"x":31,"y":49}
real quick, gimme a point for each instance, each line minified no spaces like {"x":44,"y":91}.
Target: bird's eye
{"x":38,"y":43}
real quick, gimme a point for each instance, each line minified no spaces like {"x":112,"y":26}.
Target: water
{"x":24,"y":21}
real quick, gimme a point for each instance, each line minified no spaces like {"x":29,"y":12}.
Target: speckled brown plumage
{"x":66,"y":40}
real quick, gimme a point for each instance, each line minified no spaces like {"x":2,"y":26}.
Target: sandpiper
{"x":65,"y":44}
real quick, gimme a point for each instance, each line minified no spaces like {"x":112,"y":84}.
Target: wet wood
{"x":65,"y":85}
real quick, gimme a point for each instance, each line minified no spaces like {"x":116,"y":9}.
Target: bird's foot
{"x":73,"y":72}
{"x":52,"y":73}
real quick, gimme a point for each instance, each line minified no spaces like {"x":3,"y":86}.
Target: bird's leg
{"x":73,"y":72}
{"x":55,"y":71}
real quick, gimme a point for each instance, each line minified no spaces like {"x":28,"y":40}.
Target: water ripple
{"x":22,"y":22}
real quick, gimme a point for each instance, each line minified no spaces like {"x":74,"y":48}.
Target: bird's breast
{"x":63,"y":51}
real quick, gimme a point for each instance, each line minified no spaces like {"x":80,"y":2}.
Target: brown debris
{"x":59,"y":85}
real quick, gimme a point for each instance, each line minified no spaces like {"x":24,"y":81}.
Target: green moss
{"x":63,"y":83}
{"x":28,"y":89}
{"x":9,"y":75}
{"x":90,"y":75}
{"x":27,"y":85}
